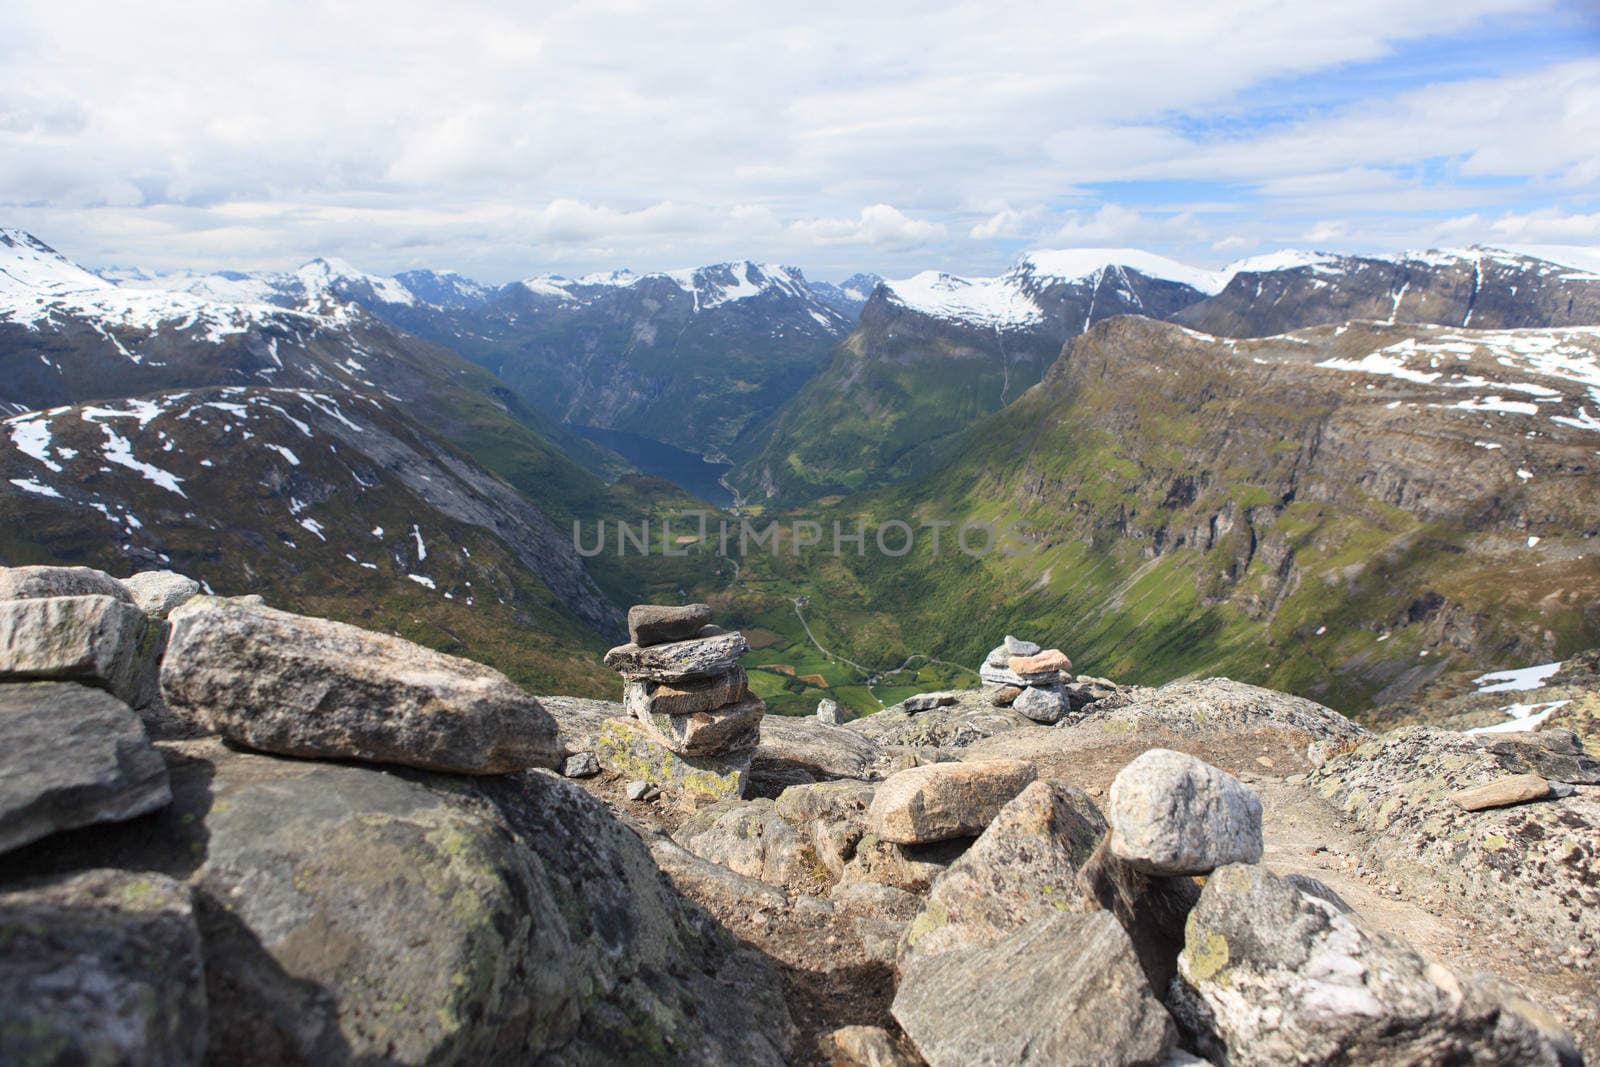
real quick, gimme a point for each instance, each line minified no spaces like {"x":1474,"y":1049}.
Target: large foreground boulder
{"x":356,"y":914}
{"x":95,"y":639}
{"x":1065,"y":989}
{"x":1024,"y":866}
{"x":1274,"y":975}
{"x":71,"y":756}
{"x":309,"y":687}
{"x":945,"y":800}
{"x":101,"y":968}
{"x":1174,"y":814}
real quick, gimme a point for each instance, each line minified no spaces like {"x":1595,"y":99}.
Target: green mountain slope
{"x":1171,"y":503}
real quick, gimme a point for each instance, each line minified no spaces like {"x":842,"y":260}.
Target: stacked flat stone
{"x":1039,"y":676}
{"x":684,"y":682}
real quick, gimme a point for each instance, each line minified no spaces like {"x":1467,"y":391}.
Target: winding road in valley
{"x":905,"y":664}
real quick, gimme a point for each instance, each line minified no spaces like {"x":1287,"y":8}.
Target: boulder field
{"x":231,"y":834}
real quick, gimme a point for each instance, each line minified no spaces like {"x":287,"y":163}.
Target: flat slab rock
{"x":945,"y":800}
{"x":1065,"y":989}
{"x":727,"y":729}
{"x":655,"y":624}
{"x":72,"y":756}
{"x":644,"y":699}
{"x":1173,"y":814}
{"x":706,"y":656}
{"x":98,"y":639}
{"x":99,"y":968}
{"x":300,"y":686}
{"x":34,"y":583}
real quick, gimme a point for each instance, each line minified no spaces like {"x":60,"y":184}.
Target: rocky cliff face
{"x":1480,"y":288}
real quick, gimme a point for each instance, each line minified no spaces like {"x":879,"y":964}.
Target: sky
{"x":506,"y":140}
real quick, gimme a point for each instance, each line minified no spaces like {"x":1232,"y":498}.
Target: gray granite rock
{"x":945,"y":800}
{"x":829,"y":713}
{"x":101,"y":968}
{"x":1065,"y":989}
{"x":72,"y":756}
{"x":359,"y":915}
{"x":1024,"y":866}
{"x":1045,"y":704}
{"x":159,"y":592}
{"x":300,"y":686}
{"x":35,"y":583}
{"x":679,"y":661}
{"x":727,"y":729}
{"x":644,"y":699}
{"x":748,"y":838}
{"x":581,"y":765}
{"x":656,"y":624}
{"x":1174,"y":814}
{"x":1276,"y":975}
{"x":99,"y":640}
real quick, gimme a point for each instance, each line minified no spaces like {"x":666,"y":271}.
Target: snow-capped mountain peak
{"x":324,"y":278}
{"x":1074,"y":264}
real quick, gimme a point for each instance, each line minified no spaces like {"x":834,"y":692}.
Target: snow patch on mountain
{"x":1074,"y":264}
{"x":998,"y":303}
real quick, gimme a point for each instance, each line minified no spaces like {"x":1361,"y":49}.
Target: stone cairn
{"x":1038,"y":683}
{"x":685,"y":687}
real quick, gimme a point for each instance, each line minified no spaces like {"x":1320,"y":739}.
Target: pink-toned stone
{"x":1051,"y":659}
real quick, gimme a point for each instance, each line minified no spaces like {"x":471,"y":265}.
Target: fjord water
{"x":684,"y":469}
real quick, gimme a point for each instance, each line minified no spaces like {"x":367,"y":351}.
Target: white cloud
{"x":506,"y":138}
{"x":878,"y":226}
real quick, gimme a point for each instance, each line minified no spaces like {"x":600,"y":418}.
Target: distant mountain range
{"x":1348,"y":476}
{"x":933,"y":353}
{"x":696,"y":358}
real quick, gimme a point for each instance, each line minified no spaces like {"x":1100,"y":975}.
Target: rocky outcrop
{"x":1271,"y":974}
{"x":1538,"y":863}
{"x":308,"y":687}
{"x":749,"y":838}
{"x":101,"y":967}
{"x":348,"y":913}
{"x":72,"y":756}
{"x":1066,"y":988}
{"x":33,"y":583}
